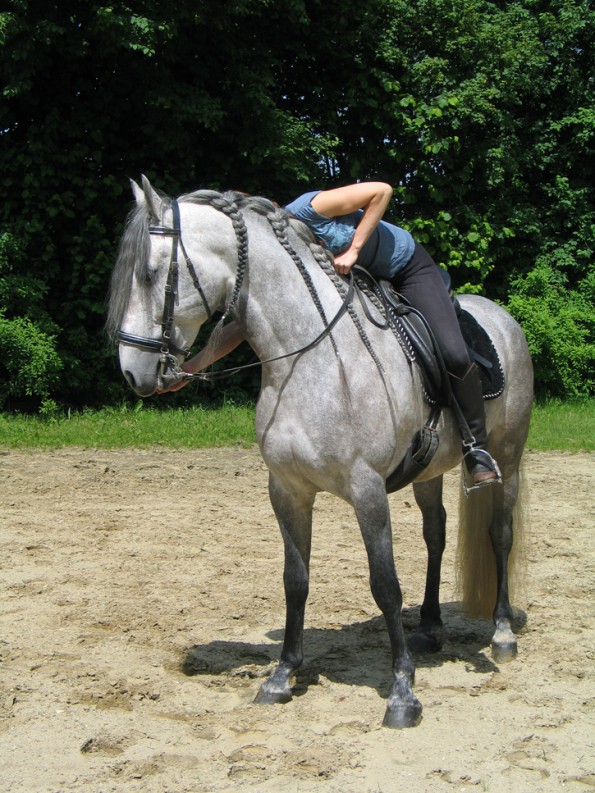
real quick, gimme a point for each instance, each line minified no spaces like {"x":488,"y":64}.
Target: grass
{"x":117,"y":428}
{"x":555,"y":426}
{"x":563,"y":426}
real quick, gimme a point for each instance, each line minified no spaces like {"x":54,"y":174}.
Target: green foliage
{"x":480,"y":113}
{"x":29,"y":361}
{"x":559,"y":326}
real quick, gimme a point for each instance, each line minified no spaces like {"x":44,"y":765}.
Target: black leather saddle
{"x":419,"y":342}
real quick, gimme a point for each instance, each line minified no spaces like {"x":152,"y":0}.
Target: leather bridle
{"x":164,"y":345}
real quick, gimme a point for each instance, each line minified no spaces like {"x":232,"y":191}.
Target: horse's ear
{"x":149,"y":197}
{"x":137,"y":191}
{"x":153,"y":201}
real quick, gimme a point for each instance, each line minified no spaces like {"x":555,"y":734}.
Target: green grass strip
{"x":555,"y":426}
{"x":563,"y":426}
{"x":193,"y":428}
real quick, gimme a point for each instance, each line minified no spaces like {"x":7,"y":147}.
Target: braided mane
{"x":135,"y":247}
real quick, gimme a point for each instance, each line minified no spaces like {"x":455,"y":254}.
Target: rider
{"x":348,"y":220}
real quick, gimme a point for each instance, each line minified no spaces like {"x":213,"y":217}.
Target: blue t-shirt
{"x":384,"y":254}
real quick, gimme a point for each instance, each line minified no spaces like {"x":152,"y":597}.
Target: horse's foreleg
{"x":504,"y":643}
{"x":403,"y":708}
{"x":294,"y":514}
{"x":429,"y":636}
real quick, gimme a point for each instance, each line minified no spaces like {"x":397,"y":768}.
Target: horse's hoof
{"x":272,"y":696}
{"x":504,"y":652}
{"x":402,"y":714}
{"x":504,"y":644}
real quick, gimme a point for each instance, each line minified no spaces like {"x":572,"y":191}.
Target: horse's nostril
{"x":129,"y":378}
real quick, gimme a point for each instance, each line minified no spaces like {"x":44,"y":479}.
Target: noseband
{"x":164,"y":345}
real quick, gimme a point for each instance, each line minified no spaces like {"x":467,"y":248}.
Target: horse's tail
{"x":476,"y":562}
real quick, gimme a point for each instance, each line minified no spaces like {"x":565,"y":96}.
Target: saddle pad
{"x":483,"y":352}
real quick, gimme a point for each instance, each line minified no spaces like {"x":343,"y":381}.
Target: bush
{"x":558,"y":323}
{"x":29,"y":359}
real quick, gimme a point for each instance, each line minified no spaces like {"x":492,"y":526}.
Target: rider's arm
{"x":230,"y":338}
{"x":372,"y":197}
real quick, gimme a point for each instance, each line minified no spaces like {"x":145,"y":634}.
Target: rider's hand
{"x":345,"y":261}
{"x":175,"y":386}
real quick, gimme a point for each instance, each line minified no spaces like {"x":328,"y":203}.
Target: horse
{"x":338,"y":406}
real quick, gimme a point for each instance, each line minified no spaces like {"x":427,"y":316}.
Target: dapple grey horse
{"x":338,"y":406}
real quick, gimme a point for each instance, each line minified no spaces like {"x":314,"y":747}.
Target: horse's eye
{"x":149,"y":276}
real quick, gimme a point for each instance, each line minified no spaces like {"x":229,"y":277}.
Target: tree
{"x":479,"y":112}
{"x":95,"y":93}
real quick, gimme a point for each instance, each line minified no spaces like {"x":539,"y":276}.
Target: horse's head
{"x":176,"y":266}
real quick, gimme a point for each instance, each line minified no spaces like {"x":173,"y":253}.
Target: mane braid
{"x":278,"y":220}
{"x":226,"y":203}
{"x":326,"y":263}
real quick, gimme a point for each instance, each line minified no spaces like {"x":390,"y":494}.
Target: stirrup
{"x":488,"y":463}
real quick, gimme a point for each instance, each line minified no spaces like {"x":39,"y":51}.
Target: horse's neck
{"x":282,"y":311}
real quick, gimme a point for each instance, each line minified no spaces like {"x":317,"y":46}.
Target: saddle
{"x":415,"y":334}
{"x":419,"y":344}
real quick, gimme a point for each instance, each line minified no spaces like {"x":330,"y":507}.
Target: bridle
{"x":164,"y":345}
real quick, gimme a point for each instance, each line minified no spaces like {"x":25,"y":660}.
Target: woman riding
{"x":348,"y":220}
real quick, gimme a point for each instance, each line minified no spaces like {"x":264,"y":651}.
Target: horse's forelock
{"x":133,"y":252}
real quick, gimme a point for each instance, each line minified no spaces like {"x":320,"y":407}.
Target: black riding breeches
{"x":421,"y":284}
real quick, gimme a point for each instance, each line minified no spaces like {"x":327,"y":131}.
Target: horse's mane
{"x":134,"y":248}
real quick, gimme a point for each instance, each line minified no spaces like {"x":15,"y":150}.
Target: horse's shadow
{"x":357,"y":654}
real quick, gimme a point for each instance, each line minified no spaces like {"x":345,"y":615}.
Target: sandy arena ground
{"x":142,"y":605}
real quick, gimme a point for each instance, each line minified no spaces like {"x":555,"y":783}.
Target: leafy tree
{"x":558,"y":324}
{"x":480,"y":113}
{"x":94,"y":93}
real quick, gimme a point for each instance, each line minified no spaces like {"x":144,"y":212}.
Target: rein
{"x":352,"y":288}
{"x":213,"y":376}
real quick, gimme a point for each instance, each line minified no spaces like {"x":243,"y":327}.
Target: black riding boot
{"x":481,"y":466}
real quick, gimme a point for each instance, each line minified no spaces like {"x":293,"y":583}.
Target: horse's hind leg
{"x":429,"y":636}
{"x":294,"y":514}
{"x":504,"y":643}
{"x":403,"y":708}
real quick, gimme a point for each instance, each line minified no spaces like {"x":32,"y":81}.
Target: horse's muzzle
{"x":142,"y":389}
